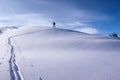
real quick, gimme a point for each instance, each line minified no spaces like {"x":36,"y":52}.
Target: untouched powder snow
{"x":4,"y":57}
{"x":58,"y":54}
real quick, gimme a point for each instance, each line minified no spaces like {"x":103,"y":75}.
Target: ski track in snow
{"x":15,"y":73}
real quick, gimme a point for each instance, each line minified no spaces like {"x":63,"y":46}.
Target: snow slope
{"x":56,"y":54}
{"x":4,"y":57}
{"x":4,"y":52}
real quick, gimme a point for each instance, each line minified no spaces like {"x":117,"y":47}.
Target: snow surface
{"x":43,"y":53}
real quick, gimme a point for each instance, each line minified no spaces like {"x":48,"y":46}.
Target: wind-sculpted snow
{"x":58,"y":54}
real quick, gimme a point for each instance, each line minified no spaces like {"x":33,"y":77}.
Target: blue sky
{"x":92,"y":16}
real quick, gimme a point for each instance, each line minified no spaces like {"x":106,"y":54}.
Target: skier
{"x":54,"y":24}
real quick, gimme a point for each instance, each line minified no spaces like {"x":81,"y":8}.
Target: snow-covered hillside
{"x":36,"y":53}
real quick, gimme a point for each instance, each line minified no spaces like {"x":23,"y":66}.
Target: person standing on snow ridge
{"x":54,"y":24}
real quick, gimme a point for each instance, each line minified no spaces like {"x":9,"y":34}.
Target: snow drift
{"x":59,"y":54}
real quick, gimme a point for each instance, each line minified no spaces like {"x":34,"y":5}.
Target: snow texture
{"x":43,"y":53}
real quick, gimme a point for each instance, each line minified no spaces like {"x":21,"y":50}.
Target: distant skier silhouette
{"x":54,"y":24}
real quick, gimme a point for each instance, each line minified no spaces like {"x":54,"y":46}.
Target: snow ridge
{"x":15,"y":73}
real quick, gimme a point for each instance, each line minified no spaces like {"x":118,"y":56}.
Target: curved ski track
{"x":15,"y":73}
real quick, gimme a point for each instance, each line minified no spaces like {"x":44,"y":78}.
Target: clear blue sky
{"x":94,"y":16}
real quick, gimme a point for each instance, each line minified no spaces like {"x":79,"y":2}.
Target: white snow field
{"x":35,"y":53}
